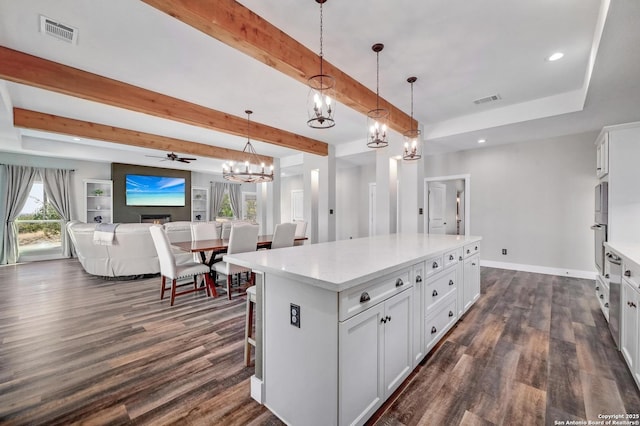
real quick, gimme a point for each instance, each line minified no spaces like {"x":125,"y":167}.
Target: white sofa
{"x":132,"y":252}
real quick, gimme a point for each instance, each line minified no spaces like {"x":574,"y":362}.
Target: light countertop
{"x":629,"y":251}
{"x":340,"y":265}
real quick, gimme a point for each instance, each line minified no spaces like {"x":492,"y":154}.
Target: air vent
{"x":58,"y":30}
{"x":486,"y":99}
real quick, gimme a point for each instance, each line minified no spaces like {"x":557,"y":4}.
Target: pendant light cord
{"x":377,"y":80}
{"x":411,"y":106}
{"x":321,"y":40}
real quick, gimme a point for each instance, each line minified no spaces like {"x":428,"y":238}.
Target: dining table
{"x":219,"y":246}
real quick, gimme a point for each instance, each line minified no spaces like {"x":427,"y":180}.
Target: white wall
{"x":535,"y":199}
{"x":288,"y":184}
{"x":349,"y":212}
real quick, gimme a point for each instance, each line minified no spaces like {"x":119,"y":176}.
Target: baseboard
{"x":589,"y":275}
{"x":256,"y":389}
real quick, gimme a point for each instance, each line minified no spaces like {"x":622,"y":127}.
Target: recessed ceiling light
{"x":482,"y":140}
{"x":555,"y":56}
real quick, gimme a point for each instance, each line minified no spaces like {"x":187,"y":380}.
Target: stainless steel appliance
{"x":600,"y":227}
{"x":614,"y":272}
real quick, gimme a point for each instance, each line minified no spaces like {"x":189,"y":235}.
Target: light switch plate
{"x":294,"y":315}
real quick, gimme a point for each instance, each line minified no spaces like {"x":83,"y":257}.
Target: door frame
{"x":467,"y":199}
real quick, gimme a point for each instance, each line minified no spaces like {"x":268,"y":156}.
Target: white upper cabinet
{"x":602,"y":154}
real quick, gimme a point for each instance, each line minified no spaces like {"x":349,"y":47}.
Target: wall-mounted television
{"x":144,"y":190}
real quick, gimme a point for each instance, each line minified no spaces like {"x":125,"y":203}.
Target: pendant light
{"x":252,"y":171}
{"x":320,"y":102}
{"x":377,"y":118}
{"x":411,"y":136}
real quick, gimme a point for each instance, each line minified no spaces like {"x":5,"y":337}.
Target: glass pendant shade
{"x":378,"y":129}
{"x":320,"y":103}
{"x":252,"y":170}
{"x":377,"y":119}
{"x":412,"y":143}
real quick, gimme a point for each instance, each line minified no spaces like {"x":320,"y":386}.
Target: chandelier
{"x":377,"y":118}
{"x":319,"y":102}
{"x":411,"y":136}
{"x":252,"y":171}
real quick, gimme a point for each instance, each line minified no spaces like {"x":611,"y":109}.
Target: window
{"x":39,"y":226}
{"x":225,"y":209}
{"x":249,"y":206}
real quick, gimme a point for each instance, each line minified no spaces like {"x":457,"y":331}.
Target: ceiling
{"x":459,"y":50}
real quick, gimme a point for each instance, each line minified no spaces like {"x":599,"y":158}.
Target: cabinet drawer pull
{"x":473,"y":264}
{"x":450,"y":257}
{"x":399,"y":282}
{"x":418,"y":279}
{"x":435,"y":293}
{"x":450,"y":282}
{"x":450,"y":314}
{"x":364,"y":297}
{"x":435,"y":265}
{"x":433,"y":330}
{"x":627,"y":273}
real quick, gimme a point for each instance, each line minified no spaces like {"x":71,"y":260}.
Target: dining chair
{"x":301,"y":230}
{"x":169,"y":268}
{"x":243,"y":238}
{"x":226,"y":230}
{"x":284,"y":235}
{"x":204,"y":231}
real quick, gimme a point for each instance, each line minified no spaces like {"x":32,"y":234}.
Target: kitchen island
{"x":340,"y":325}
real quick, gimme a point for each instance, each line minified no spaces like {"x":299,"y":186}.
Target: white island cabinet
{"x":340,"y":325}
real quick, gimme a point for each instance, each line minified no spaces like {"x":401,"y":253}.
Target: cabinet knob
{"x":606,"y":305}
{"x":388,"y":318}
{"x":450,"y":257}
{"x":434,"y":330}
{"x":606,"y":275}
{"x":435,"y":265}
{"x":450,"y":314}
{"x":435,"y":293}
{"x":364,"y":297}
{"x":450,"y":282}
{"x":597,"y":288}
{"x":399,"y":282}
{"x":418,"y":279}
{"x":627,"y":273}
{"x":468,"y":251}
{"x":383,"y":320}
{"x":473,"y":264}
{"x":476,"y":248}
{"x":602,"y":296}
{"x":460,"y":258}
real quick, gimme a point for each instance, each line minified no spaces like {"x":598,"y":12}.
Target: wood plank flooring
{"x":76,"y":349}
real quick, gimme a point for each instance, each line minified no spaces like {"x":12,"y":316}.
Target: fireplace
{"x":157,"y":219}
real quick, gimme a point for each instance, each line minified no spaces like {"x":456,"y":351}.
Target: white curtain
{"x":16,"y":185}
{"x":217,"y":194}
{"x":235,"y":199}
{"x":57,"y":185}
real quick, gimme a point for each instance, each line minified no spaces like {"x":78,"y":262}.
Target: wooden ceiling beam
{"x":30,"y":70}
{"x":233,"y":24}
{"x":34,"y":120}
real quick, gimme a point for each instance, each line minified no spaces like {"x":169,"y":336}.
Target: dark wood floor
{"x":77,"y":349}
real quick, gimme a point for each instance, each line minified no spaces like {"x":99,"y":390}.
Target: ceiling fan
{"x":174,"y":157}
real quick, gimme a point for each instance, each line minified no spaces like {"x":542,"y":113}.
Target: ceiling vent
{"x":486,"y":99}
{"x":58,"y":30}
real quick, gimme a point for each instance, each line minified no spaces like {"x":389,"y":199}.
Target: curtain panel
{"x":235,"y":199}
{"x":57,"y":185}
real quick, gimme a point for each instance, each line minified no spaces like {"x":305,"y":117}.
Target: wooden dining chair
{"x":243,"y":238}
{"x":284,"y":235}
{"x":169,"y":268}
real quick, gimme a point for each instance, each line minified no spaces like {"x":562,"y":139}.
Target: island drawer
{"x":439,"y":321}
{"x":362,"y":297}
{"x":471,"y":249}
{"x":438,"y":288}
{"x":452,"y":257}
{"x":434,"y":264}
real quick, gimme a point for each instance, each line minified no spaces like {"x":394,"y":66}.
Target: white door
{"x":398,"y":337}
{"x":361,"y":391}
{"x":297,"y":204}
{"x":437,"y":197}
{"x":372,"y":209}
